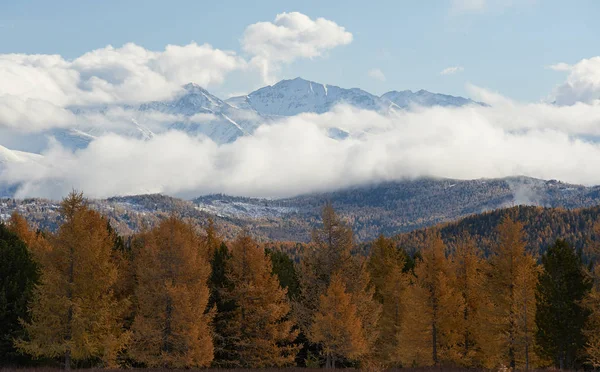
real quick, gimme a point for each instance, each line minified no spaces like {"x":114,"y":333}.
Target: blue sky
{"x":502,"y":45}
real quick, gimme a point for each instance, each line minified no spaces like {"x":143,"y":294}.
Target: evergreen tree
{"x":284,"y":268}
{"x":18,"y":276}
{"x":337,"y":326}
{"x":592,"y":304}
{"x":513,"y":280}
{"x":75,"y":313}
{"x":225,"y":354}
{"x":560,"y":316}
{"x":171,"y":328}
{"x":258,"y":327}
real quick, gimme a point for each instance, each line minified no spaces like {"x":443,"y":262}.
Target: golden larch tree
{"x":473,"y":333}
{"x":386,"y":264}
{"x":337,"y":326}
{"x":513,"y":280}
{"x":36,"y":243}
{"x":75,"y":313}
{"x":259,"y":326}
{"x":171,"y":328}
{"x":432,"y":308}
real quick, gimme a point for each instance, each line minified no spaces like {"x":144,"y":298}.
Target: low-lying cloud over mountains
{"x":129,"y":120}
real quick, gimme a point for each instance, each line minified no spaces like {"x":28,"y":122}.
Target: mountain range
{"x":388,"y":208}
{"x":198,"y":112}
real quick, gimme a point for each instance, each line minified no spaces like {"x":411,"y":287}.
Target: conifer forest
{"x":176,"y":296}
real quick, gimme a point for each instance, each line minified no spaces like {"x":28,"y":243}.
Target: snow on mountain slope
{"x":406,"y":98}
{"x":292,"y":97}
{"x":198,"y":112}
{"x":204,"y":113}
{"x":12,"y":156}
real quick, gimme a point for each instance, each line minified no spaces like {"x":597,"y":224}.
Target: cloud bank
{"x":286,"y":157}
{"x":296,"y":155}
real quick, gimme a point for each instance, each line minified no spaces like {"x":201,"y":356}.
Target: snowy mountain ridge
{"x":198,"y":112}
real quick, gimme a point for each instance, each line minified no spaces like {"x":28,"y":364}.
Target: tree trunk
{"x":68,"y":360}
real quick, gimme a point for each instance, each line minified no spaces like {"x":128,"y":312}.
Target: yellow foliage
{"x":259,"y":328}
{"x":75,"y":313}
{"x":171,"y":328}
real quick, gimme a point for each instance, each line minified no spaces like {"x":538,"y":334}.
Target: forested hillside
{"x":542,"y":226}
{"x":176,"y":296}
{"x":386,"y":208}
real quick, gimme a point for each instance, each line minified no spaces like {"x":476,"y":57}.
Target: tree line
{"x":175,"y":297}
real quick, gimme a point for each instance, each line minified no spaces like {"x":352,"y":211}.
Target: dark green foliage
{"x":18,"y":276}
{"x":542,"y":226}
{"x":560,"y":317}
{"x":284,"y":268}
{"x":218,"y":282}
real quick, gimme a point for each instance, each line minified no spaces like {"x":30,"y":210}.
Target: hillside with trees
{"x":178,"y":296}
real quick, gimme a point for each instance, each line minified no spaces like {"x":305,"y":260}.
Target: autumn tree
{"x":560,"y":316}
{"x":330,"y":253}
{"x":19,"y":274}
{"x":171,"y":328}
{"x":259,"y":326}
{"x":75,"y":313}
{"x":337,"y":326}
{"x":386,"y":264}
{"x":473,"y":336}
{"x":432,"y":309}
{"x":36,"y":243}
{"x":513,"y":280}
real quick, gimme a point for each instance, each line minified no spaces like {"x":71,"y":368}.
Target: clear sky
{"x":502,"y":45}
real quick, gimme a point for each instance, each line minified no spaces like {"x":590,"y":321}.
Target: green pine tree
{"x":283,"y":267}
{"x":18,"y":276}
{"x":560,"y":316}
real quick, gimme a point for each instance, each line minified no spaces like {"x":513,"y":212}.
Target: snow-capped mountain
{"x":292,"y":97}
{"x":406,"y":99}
{"x":197,"y":112}
{"x":200,"y":112}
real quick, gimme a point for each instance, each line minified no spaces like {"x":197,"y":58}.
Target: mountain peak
{"x":194,"y":88}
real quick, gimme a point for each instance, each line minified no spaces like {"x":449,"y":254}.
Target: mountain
{"x":292,"y":97}
{"x":406,"y":99}
{"x":198,"y":112}
{"x":390,"y":208}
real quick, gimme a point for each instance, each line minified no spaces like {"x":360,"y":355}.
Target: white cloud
{"x":451,"y":70}
{"x":376,"y":74}
{"x":36,"y":89}
{"x":36,"y":86}
{"x":289,"y":37}
{"x":295,"y":155}
{"x":582,"y":84}
{"x":560,"y":67}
